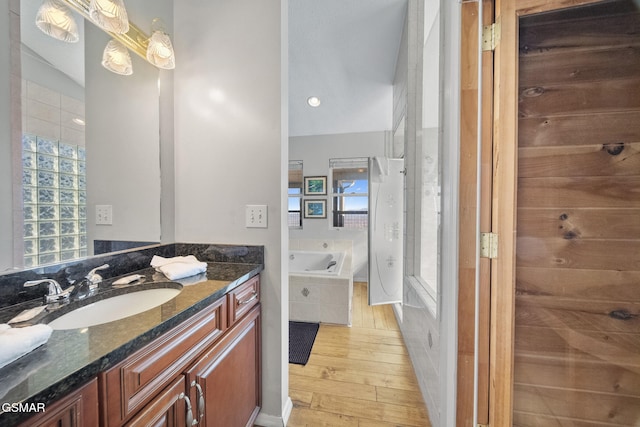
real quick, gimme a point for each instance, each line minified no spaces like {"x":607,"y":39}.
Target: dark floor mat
{"x":301,"y":338}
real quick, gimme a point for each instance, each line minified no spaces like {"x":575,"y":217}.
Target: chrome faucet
{"x":56,"y":294}
{"x":94,"y":278}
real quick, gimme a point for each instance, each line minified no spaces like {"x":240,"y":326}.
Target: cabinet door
{"x":170,"y":409}
{"x":78,"y":409}
{"x":227,"y":377}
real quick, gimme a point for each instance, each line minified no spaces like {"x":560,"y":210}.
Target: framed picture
{"x":315,"y":208}
{"x":315,"y":185}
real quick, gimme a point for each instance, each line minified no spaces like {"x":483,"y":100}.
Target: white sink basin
{"x":114,"y":308}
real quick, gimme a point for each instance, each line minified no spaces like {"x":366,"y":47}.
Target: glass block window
{"x":54,"y":201}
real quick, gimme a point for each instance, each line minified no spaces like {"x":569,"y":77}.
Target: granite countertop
{"x":72,"y":357}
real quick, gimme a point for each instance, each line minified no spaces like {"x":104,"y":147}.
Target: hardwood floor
{"x":359,"y":376}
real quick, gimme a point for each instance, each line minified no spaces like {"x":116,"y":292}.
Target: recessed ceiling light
{"x":78,"y":121}
{"x":313,"y":101}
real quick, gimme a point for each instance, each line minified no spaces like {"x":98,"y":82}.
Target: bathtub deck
{"x":358,"y":376}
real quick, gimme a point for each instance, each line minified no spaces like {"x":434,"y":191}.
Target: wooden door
{"x":565,"y":301}
{"x":468,"y":211}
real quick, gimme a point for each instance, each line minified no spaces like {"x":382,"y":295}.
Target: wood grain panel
{"x":581,"y":129}
{"x":614,"y":348}
{"x":620,"y":158}
{"x":579,"y":98}
{"x":596,"y":285}
{"x":582,"y":223}
{"x":579,"y":405}
{"x":563,"y":68}
{"x":579,"y":375}
{"x":573,"y":192}
{"x":577,"y":306}
{"x":588,"y":34}
{"x":578,"y":314}
{"x":621,"y":255}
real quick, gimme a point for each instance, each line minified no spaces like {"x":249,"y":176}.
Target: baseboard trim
{"x":266,"y":420}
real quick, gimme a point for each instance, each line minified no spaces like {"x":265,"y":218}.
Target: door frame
{"x":503,"y":205}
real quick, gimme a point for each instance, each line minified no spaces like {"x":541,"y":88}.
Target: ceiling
{"x":344,"y":52}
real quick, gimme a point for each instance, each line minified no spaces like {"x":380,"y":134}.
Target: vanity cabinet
{"x":78,"y":409}
{"x":206,"y":369}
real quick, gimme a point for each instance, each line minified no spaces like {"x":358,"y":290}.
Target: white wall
{"x":315,"y":152}
{"x":231,"y":151}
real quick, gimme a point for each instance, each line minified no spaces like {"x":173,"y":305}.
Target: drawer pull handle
{"x":189,"y":416}
{"x":254,"y":296}
{"x":200,"y":399}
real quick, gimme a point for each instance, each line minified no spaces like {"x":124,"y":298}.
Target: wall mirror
{"x":86,"y":152}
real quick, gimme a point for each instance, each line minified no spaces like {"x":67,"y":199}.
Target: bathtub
{"x":307,"y":262}
{"x":320,"y":287}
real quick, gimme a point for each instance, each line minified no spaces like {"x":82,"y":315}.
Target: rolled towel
{"x":178,"y":267}
{"x":16,"y":342}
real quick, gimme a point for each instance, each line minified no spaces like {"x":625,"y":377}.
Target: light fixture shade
{"x":160,"y":51}
{"x":55,"y":19}
{"x":116,"y":58}
{"x":110,"y":15}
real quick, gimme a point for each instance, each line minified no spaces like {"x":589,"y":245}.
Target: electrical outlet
{"x":256,"y":216}
{"x":104,"y":214}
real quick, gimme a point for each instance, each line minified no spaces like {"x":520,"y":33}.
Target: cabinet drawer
{"x":243,"y":298}
{"x":132,"y":383}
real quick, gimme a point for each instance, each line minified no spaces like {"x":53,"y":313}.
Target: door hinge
{"x":488,"y":245}
{"x":490,"y":36}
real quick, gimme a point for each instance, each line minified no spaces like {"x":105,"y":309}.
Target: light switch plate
{"x":256,"y":216}
{"x":104,"y":214}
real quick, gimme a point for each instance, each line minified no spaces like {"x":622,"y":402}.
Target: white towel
{"x":178,"y":267}
{"x":16,"y":342}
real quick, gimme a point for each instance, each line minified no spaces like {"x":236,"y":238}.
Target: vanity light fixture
{"x":116,"y":58}
{"x":313,"y":101}
{"x":78,"y":121}
{"x":160,"y":50}
{"x":110,"y":15}
{"x":55,"y":19}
